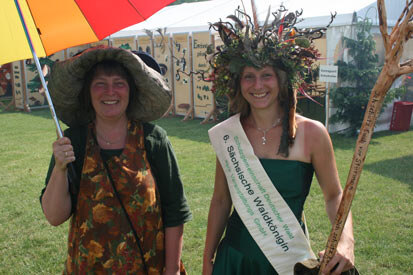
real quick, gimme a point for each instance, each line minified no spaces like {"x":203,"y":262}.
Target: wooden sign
{"x":203,"y":97}
{"x":182,"y":82}
{"x":328,"y":73}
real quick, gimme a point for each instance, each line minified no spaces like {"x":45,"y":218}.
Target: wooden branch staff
{"x":393,"y":44}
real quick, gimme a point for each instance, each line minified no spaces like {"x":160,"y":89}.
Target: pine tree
{"x":357,"y":78}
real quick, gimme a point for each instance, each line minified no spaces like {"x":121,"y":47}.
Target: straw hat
{"x":67,"y":77}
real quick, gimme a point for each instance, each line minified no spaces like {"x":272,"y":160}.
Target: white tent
{"x":192,"y":17}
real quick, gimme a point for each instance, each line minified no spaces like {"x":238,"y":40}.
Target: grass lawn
{"x":382,"y":208}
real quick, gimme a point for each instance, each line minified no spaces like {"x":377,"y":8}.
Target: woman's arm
{"x":175,"y":210}
{"x":219,"y":211}
{"x":56,"y":201}
{"x":322,"y":157}
{"x":173,"y":249}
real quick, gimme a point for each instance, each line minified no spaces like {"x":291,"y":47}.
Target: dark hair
{"x":106,"y":67}
{"x":286,"y":99}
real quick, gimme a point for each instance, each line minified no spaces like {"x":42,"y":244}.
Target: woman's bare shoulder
{"x":311,"y":127}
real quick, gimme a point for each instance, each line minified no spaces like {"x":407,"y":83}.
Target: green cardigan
{"x":175,"y":209}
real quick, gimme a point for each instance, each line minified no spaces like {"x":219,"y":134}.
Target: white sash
{"x":263,"y":211}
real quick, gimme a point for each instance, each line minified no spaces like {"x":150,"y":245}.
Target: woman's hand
{"x":63,"y":152}
{"x":173,"y":249}
{"x":219,"y":211}
{"x":56,"y":200}
{"x":343,"y":260}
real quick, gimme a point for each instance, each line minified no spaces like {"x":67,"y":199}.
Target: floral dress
{"x":101,"y":240}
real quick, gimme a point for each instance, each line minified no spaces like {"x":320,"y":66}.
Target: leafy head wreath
{"x":278,"y":44}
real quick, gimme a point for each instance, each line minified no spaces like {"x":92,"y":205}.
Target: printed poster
{"x":101,"y":42}
{"x":145,"y":44}
{"x":6,"y":81}
{"x":217,"y":41}
{"x":70,"y":52}
{"x":163,"y":56}
{"x":127,"y":43}
{"x":203,"y":97}
{"x":182,"y":82}
{"x":18,"y":91}
{"x":221,"y":102}
{"x":36,"y":96}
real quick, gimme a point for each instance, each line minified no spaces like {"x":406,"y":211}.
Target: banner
{"x":262,"y":209}
{"x":203,"y":97}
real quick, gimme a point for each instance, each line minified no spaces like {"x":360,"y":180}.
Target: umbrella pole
{"x":39,"y":69}
{"x":72,"y":176}
{"x":49,"y":99}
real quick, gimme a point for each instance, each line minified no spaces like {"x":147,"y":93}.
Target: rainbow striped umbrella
{"x":38,"y":28}
{"x":56,"y":25}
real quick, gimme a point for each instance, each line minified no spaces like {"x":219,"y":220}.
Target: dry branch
{"x":392,"y":69}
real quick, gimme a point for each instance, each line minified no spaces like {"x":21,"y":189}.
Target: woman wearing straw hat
{"x":267,"y":154}
{"x":127,"y":205}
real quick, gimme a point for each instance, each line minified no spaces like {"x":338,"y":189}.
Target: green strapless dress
{"x":238,"y":254}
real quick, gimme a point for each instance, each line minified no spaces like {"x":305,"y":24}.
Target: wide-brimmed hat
{"x":67,"y":79}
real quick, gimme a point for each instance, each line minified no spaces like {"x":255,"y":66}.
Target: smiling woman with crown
{"x":266,"y":153}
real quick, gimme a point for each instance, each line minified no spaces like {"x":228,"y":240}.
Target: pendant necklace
{"x":109,"y":142}
{"x":264,"y":131}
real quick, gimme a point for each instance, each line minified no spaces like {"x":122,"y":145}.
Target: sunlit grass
{"x":382,"y":208}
